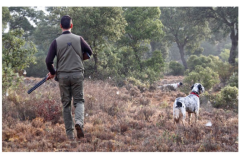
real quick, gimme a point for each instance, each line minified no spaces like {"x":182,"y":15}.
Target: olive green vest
{"x":69,"y":53}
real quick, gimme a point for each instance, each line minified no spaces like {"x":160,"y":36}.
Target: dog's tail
{"x":177,"y":114}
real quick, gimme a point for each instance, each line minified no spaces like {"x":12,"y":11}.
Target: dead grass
{"x":116,"y":120}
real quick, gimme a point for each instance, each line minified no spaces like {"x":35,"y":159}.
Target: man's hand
{"x":50,"y":76}
{"x":85,"y":56}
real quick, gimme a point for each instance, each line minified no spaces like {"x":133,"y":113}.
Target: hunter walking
{"x":71,"y":50}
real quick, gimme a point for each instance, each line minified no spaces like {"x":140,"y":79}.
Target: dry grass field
{"x":116,"y":120}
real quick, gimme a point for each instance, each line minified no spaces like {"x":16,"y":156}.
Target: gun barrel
{"x":37,"y":85}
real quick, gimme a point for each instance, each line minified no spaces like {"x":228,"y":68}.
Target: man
{"x":70,"y":51}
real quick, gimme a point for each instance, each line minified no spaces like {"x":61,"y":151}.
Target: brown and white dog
{"x":190,"y":104}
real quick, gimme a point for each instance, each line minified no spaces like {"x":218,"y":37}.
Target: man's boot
{"x":79,"y":129}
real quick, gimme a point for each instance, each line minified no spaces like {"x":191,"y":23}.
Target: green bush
{"x":17,"y":55}
{"x":88,"y":68}
{"x":153,"y":68}
{"x":216,"y":100}
{"x":148,"y":76}
{"x":156,"y":62}
{"x":227,"y":98}
{"x":225,"y":55}
{"x":206,"y":76}
{"x":229,"y":95}
{"x":124,"y":65}
{"x":233,"y":80}
{"x":176,"y":68}
{"x":38,"y":69}
{"x":204,"y":61}
{"x":224,"y":70}
{"x":136,"y":82}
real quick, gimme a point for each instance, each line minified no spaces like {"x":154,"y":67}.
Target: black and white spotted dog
{"x":190,"y":104}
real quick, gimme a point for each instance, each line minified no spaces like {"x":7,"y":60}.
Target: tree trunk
{"x":234,"y":47}
{"x":181,"y":50}
{"x":96,"y":62}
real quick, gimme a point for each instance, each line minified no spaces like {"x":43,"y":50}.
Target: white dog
{"x":188,"y":104}
{"x":173,"y":86}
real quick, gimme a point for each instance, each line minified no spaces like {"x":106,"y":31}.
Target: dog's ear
{"x":192,"y":87}
{"x":199,"y":87}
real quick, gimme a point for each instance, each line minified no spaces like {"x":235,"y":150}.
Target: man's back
{"x":69,"y":53}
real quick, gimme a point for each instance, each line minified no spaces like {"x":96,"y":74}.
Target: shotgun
{"x":38,"y":84}
{"x":41,"y":82}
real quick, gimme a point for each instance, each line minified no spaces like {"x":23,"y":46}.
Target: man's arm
{"x":49,"y":59}
{"x":87,"y":51}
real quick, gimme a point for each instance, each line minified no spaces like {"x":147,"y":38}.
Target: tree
{"x":216,"y":47}
{"x":161,"y":45}
{"x":17,"y":54}
{"x":143,"y":25}
{"x":21,"y":17}
{"x":5,"y":17}
{"x":184,"y":29}
{"x":98,"y":26}
{"x":226,"y":19}
{"x":38,"y":69}
{"x":154,"y":66}
{"x":48,"y":29}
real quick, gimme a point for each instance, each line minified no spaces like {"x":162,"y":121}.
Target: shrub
{"x":120,"y":64}
{"x":233,"y":80}
{"x":49,"y":110}
{"x":150,"y":70}
{"x":17,"y":107}
{"x":39,"y":69}
{"x":17,"y":54}
{"x":224,"y":70}
{"x":203,"y":61}
{"x":227,"y":98}
{"x":230,"y":95}
{"x":225,"y":54}
{"x":206,"y":76}
{"x":177,"y":68}
{"x":136,"y":82}
{"x":148,"y":76}
{"x":148,"y":112}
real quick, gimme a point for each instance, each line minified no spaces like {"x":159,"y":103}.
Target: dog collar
{"x":195,"y":94}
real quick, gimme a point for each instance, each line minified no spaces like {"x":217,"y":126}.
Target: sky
{"x":42,"y":8}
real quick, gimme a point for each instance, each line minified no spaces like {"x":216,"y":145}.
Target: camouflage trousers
{"x":71,"y":87}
